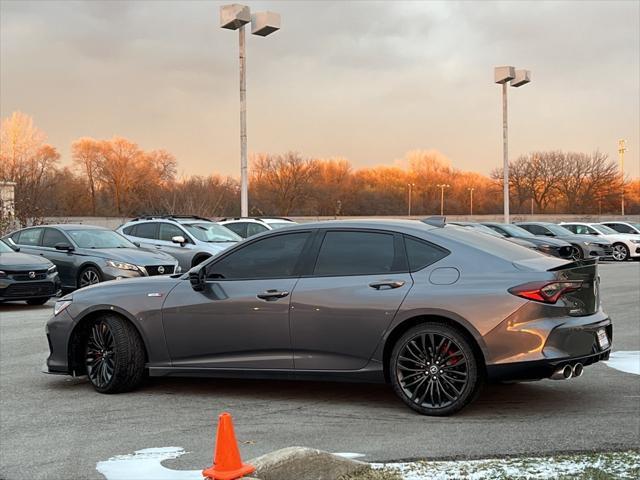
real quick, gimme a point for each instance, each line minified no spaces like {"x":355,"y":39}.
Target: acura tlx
{"x":433,"y":309}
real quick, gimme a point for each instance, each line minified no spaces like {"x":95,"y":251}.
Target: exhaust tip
{"x":578,"y":370}
{"x":563,"y":373}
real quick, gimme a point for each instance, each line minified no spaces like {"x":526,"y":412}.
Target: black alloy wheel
{"x":114,"y":355}
{"x":434,"y":369}
{"x":89,"y":276}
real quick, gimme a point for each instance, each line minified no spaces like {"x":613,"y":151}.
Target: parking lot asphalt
{"x":58,"y":427}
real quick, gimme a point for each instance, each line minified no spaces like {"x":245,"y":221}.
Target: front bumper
{"x":58,"y":330}
{"x":15,"y":290}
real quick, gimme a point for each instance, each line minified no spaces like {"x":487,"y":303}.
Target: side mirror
{"x":179,"y":239}
{"x":549,"y":234}
{"x":595,"y":233}
{"x":9,"y":241}
{"x":64,"y":247}
{"x":198,"y":279}
{"x":137,"y":244}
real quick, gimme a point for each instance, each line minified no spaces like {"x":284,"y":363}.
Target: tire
{"x":37,"y":301}
{"x":447,"y":390}
{"x":620,"y":252}
{"x":114,"y":355}
{"x":577,"y":254}
{"x":89,"y":276}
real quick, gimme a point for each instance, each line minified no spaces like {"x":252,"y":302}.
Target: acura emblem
{"x":160,"y":269}
{"x":32,"y":274}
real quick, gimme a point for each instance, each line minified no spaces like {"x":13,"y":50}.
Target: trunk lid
{"x":585,"y":300}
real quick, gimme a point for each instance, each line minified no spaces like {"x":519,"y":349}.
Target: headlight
{"x":52,"y":269}
{"x":591,"y":244}
{"x":178,"y":269}
{"x":545,"y":246}
{"x":2,"y":274}
{"x":122,"y":265}
{"x":634,"y":241}
{"x":61,"y":305}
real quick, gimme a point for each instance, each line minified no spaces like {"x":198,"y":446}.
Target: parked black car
{"x":550,"y":246}
{"x":26,"y":277}
{"x":86,"y":255}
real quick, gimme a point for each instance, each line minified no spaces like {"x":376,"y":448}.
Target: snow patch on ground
{"x":628,"y":362}
{"x":145,"y":465}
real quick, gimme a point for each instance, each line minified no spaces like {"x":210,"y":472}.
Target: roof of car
{"x":76,"y":226}
{"x":535,"y":223}
{"x":394,"y":225}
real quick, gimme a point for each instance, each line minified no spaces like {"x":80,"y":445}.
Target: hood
{"x":127,"y":286}
{"x":548,"y":241}
{"x":521,"y":241}
{"x":23,"y":261}
{"x":216,"y":247}
{"x":585,"y":238}
{"x":136,"y":256}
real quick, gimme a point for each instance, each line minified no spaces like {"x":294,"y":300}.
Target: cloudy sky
{"x":367,"y":81}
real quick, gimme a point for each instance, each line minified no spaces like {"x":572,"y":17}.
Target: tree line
{"x":116,"y":177}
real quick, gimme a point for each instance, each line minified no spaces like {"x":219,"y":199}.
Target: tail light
{"x":547,"y":292}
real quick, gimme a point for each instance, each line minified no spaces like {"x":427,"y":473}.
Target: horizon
{"x":164,"y":75}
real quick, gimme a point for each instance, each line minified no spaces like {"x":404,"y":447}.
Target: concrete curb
{"x":301,"y":463}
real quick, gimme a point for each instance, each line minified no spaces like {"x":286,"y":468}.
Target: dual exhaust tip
{"x":568,"y":371}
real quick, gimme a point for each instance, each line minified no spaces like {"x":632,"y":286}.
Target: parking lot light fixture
{"x":442,"y":186}
{"x":235,"y":17}
{"x":517,"y":78}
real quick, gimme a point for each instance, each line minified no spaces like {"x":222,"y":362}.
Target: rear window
{"x":30,"y":236}
{"x":496,"y":246}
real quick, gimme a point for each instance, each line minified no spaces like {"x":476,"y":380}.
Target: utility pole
{"x":410,"y":185}
{"x":442,"y":187}
{"x":471,"y":189}
{"x":622,"y":147}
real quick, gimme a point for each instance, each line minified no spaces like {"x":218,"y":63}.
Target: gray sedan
{"x":85,"y":255}
{"x":432,"y":309}
{"x":585,"y":245}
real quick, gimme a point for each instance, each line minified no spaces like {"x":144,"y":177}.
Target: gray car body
{"x":338,"y":327}
{"x":17,"y":268}
{"x":589,"y":246}
{"x":71,"y":263}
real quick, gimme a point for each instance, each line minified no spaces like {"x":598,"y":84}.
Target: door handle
{"x":386,"y":284}
{"x":272,"y":295}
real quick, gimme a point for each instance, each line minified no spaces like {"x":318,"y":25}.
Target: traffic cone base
{"x":214,"y":474}
{"x":227,"y":464}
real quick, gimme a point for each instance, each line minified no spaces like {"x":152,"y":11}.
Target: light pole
{"x":235,"y":17}
{"x":622,"y":147}
{"x":442,"y":186}
{"x":471,"y":189}
{"x":504,"y":75}
{"x":410,"y":185}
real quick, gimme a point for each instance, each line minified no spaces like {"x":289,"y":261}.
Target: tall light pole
{"x":235,"y":17}
{"x":442,"y":186}
{"x":622,"y":147}
{"x":504,"y":75}
{"x":410,"y":185}
{"x":471,"y":189}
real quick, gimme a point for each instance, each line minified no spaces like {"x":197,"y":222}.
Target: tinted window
{"x":168,"y":231}
{"x":574,"y":228}
{"x":255,"y":228}
{"x":355,"y":253}
{"x":146,"y":230}
{"x":618,"y":227}
{"x":535,"y":229}
{"x":51,"y":237}
{"x":272,"y":257}
{"x":238,"y":228}
{"x":421,"y":254}
{"x":29,"y":237}
{"x":128,"y":230}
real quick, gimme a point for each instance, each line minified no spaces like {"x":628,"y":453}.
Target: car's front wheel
{"x":434,"y":370}
{"x":89,"y":276}
{"x":114,"y":355}
{"x":620,"y":252}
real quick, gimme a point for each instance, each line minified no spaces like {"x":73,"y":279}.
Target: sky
{"x":363,"y":80}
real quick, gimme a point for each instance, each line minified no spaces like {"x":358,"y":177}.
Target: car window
{"x":619,"y":227}
{"x":255,"y":228}
{"x":30,"y":236}
{"x":146,"y":230}
{"x":535,"y":229}
{"x":52,"y":237}
{"x":271,"y":257}
{"x":355,"y":253}
{"x":129,"y":230}
{"x":421,"y":254}
{"x":239,"y":228}
{"x":573,"y":228}
{"x":211,"y":232}
{"x":168,"y":231}
{"x":276,"y":225}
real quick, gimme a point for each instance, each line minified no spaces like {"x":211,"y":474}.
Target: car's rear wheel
{"x":114,"y":355}
{"x":37,"y":301}
{"x":620,"y":252}
{"x":434,"y":370}
{"x":89,"y":276}
{"x":576,"y":254}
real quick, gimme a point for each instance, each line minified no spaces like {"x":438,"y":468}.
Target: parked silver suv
{"x":189,"y":239}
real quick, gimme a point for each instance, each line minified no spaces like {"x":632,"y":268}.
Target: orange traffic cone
{"x":227,"y":464}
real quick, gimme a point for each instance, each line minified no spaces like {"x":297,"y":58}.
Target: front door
{"x":241,"y":318}
{"x":340,"y":311}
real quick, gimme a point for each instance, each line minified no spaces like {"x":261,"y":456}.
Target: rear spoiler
{"x":578,"y":263}
{"x":436,"y":221}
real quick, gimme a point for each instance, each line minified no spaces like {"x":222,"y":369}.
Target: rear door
{"x":351,"y":294}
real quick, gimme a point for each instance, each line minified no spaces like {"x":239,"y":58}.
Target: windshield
{"x":557,"y":229}
{"x":604,"y":229}
{"x":99,"y":239}
{"x":276,"y":225}
{"x":4,"y":248}
{"x":515,"y":231}
{"x":211,"y":232}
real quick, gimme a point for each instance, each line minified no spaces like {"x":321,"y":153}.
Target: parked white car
{"x":625,"y":245}
{"x":623,"y":227}
{"x":250,"y":226}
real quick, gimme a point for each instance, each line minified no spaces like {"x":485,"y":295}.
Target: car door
{"x":341,"y":309}
{"x":241,"y":317}
{"x":62,"y":259}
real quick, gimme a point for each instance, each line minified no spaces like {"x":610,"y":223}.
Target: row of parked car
{"x":39,"y":262}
